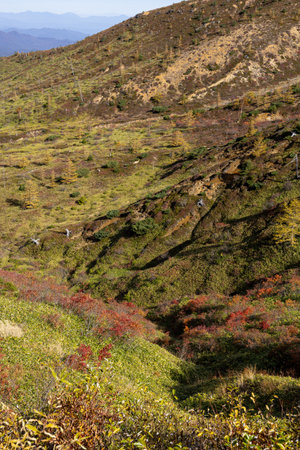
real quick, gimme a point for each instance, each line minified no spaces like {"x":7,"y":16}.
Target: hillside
{"x":63,"y":379}
{"x":220,"y":52}
{"x":150,"y":207}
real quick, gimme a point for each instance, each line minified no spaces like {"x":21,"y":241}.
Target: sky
{"x":84,"y":7}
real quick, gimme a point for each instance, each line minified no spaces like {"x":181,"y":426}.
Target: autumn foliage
{"x":264,"y":320}
{"x":106,"y":319}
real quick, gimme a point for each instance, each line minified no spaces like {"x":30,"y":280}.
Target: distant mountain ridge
{"x":28,"y":19}
{"x":12,"y":42}
{"x":53,"y":33}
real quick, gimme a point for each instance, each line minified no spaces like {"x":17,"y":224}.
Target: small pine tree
{"x":22,"y":163}
{"x":48,"y":157}
{"x":134,"y":145}
{"x":289,"y":96}
{"x":52,"y":179}
{"x":287,"y":227}
{"x":31,"y":195}
{"x":260,"y":147}
{"x":252,"y":129}
{"x":189,"y":119}
{"x":178,"y":140}
{"x":70,"y":175}
{"x":266,"y":102}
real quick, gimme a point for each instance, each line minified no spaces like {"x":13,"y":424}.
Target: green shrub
{"x":101,"y":234}
{"x":160,"y":194}
{"x":22,"y":187}
{"x":75,"y":194}
{"x":254,"y":113}
{"x":194,"y":154}
{"x":247,"y":167}
{"x":198,"y":111}
{"x":114,"y":165}
{"x":82,"y":200}
{"x":144,"y":226}
{"x":122,"y":104}
{"x":113,"y":213}
{"x":51,"y":138}
{"x":159,"y":109}
{"x":83,"y":172}
{"x":142,"y":155}
{"x":7,"y":286}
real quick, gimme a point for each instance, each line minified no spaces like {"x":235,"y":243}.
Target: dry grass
{"x":9,"y":329}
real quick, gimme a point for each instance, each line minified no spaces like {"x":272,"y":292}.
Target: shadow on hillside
{"x":207,"y":384}
{"x":255,"y":240}
{"x":14,"y":202}
{"x":113,"y":241}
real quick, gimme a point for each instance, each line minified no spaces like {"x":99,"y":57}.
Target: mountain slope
{"x":222,"y":245}
{"x":219,"y":52}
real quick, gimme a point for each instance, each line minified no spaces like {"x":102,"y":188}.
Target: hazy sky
{"x":84,"y":7}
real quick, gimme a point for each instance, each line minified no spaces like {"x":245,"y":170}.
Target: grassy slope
{"x":222,"y":247}
{"x":33,"y":342}
{"x":138,"y":383}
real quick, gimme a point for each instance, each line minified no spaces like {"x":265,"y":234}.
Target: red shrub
{"x":112,"y":318}
{"x":104,"y":353}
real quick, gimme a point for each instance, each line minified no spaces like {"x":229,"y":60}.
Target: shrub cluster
{"x":111,"y":319}
{"x":93,"y":414}
{"x":262,"y":324}
{"x":144,"y":226}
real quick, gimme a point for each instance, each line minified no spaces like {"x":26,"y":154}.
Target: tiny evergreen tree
{"x":289,"y":96}
{"x":189,"y":119}
{"x":52,"y":179}
{"x":260,"y":147}
{"x":31,"y":195}
{"x":287,"y":227}
{"x":178,"y":140}
{"x":252,"y":129}
{"x":70,"y":175}
{"x":23,"y":162}
{"x":48,"y":157}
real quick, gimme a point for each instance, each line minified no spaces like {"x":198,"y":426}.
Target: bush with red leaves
{"x":79,"y":361}
{"x":262,"y":320}
{"x":108,"y":319}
